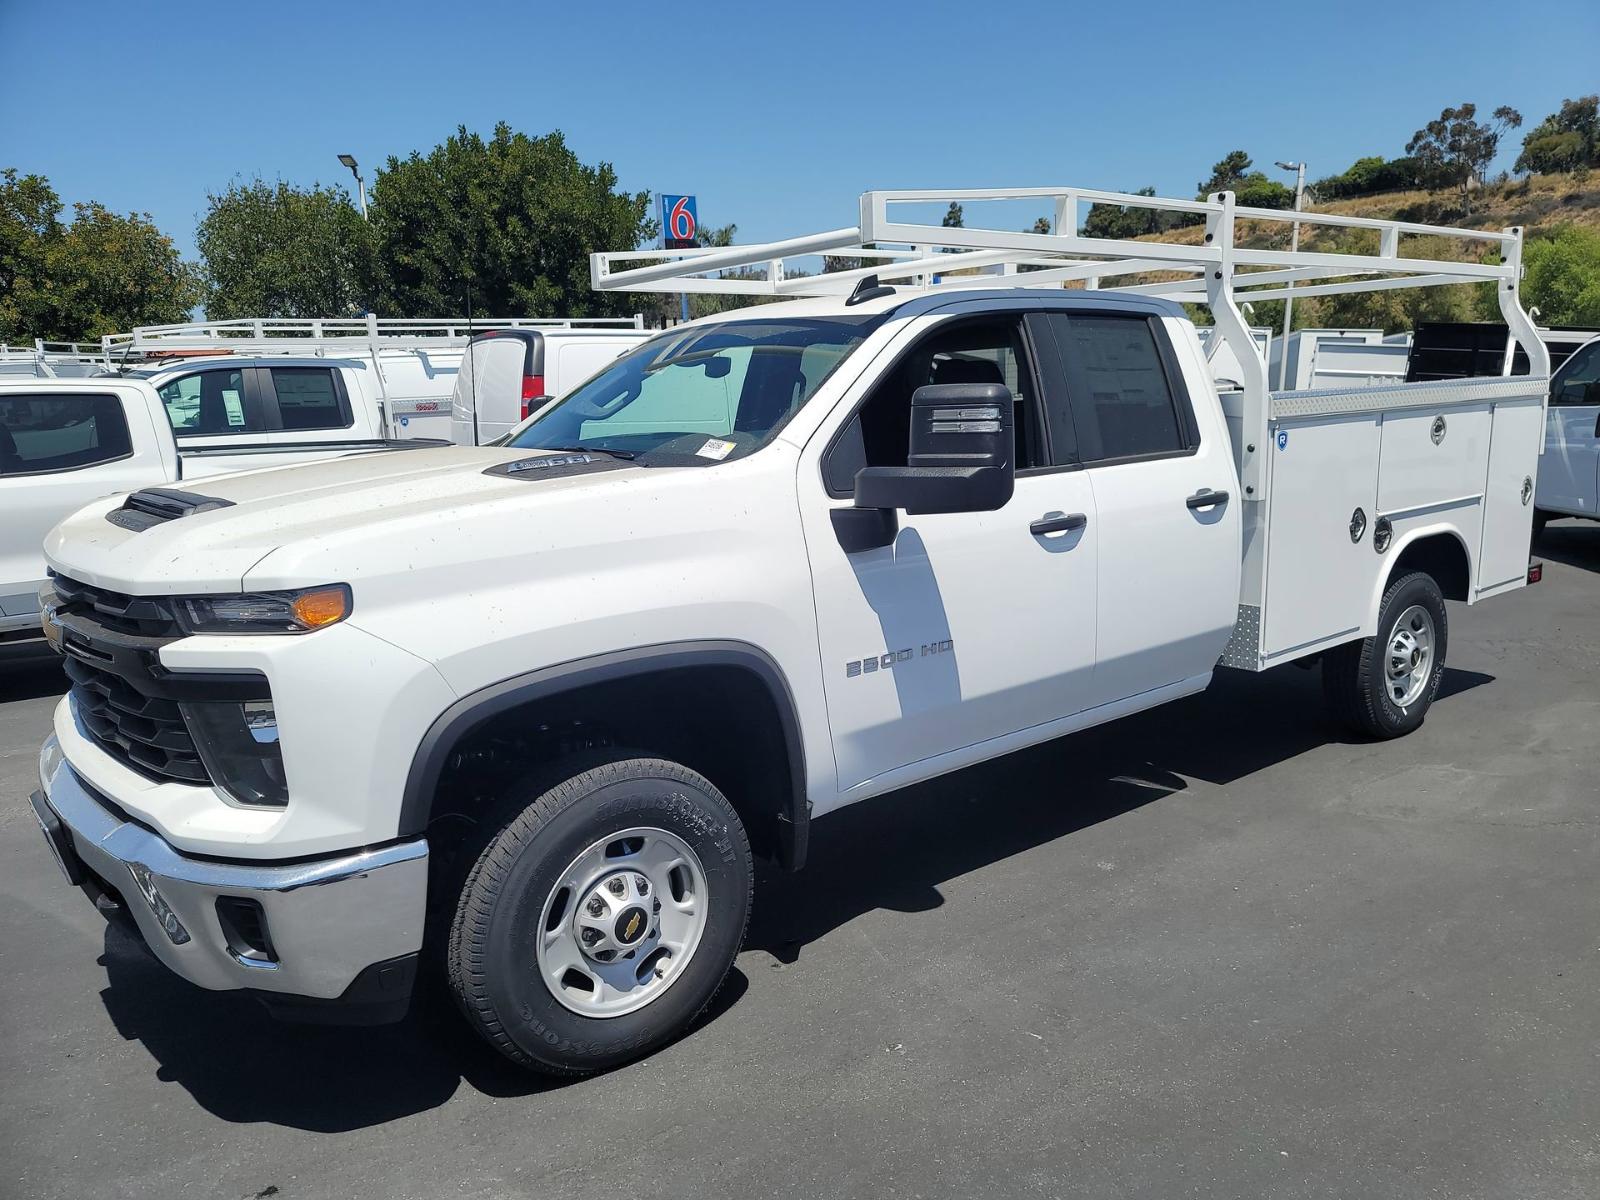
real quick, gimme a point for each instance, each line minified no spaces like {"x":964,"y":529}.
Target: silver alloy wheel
{"x":1408,"y":657}
{"x":622,"y":922}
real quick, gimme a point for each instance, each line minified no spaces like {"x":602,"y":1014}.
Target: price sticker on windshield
{"x":715,"y":448}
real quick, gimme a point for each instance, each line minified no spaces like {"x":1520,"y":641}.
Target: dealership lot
{"x":1215,"y":949}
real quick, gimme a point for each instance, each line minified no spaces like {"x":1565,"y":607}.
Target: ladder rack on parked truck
{"x":339,"y":335}
{"x":1377,"y":451}
{"x":414,"y":360}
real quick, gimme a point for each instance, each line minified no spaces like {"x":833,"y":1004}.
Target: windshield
{"x":701,"y":395}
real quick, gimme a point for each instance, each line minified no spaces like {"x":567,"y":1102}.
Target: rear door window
{"x":54,"y":431}
{"x":1123,"y":402}
{"x":309,"y":398}
{"x":211,"y":402}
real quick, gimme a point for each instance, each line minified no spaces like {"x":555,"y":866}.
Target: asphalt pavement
{"x":1221,"y":949}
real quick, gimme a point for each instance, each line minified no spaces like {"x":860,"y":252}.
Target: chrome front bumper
{"x":343,"y":927}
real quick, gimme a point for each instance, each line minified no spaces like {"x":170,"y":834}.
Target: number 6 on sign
{"x":679,"y":223}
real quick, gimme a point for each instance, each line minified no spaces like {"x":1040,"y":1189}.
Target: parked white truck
{"x":399,"y":374}
{"x":532,"y":708}
{"x":66,"y":441}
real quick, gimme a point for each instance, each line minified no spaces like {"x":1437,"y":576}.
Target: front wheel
{"x":600,"y":921}
{"x":1383,"y":685}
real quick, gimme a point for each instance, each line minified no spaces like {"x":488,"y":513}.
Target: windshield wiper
{"x":626,"y":454}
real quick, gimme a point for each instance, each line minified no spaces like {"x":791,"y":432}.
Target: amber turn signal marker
{"x":321,"y":607}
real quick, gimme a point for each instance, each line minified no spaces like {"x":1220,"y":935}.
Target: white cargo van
{"x":509,"y":374}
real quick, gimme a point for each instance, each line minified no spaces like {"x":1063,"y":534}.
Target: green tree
{"x":952,"y":217}
{"x":508,"y":222}
{"x":1041,"y":225}
{"x":1225,"y":174}
{"x":1253,"y":189}
{"x":275,"y":250}
{"x":1457,"y":149}
{"x":1123,"y":221}
{"x":30,"y":222}
{"x":1399,"y":309}
{"x":1565,"y":140}
{"x":109,"y":272}
{"x":1563,"y":275}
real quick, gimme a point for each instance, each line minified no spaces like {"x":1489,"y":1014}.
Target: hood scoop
{"x":156,"y":506}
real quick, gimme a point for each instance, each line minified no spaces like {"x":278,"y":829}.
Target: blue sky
{"x":776,"y":115}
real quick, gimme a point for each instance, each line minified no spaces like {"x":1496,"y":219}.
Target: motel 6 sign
{"x":680,"y":226}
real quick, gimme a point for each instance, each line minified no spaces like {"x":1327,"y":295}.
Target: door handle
{"x":1206,"y":498}
{"x":1060,"y":523}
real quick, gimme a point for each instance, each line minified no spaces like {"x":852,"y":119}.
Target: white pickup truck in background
{"x":66,"y":441}
{"x":529,"y":709}
{"x":402,"y":372}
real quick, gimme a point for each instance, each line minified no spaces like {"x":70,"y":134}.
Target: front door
{"x":970,"y":626}
{"x":1569,"y":470}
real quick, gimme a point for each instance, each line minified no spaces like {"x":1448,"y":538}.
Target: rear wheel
{"x":1541,"y":518}
{"x":600,"y":921}
{"x":1384,"y":685}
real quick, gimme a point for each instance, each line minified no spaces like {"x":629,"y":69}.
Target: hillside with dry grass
{"x":1544,"y":206}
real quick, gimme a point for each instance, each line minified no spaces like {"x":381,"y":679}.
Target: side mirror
{"x":961,"y":455}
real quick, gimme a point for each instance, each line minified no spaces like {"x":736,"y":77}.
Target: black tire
{"x":1541,"y":518}
{"x":490,"y":957}
{"x":1353,"y":677}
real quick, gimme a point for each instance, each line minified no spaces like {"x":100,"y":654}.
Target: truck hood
{"x":213,"y":546}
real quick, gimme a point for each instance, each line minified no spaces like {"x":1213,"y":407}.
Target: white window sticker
{"x":715,"y":448}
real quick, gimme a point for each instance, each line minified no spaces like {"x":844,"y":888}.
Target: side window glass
{"x":308,"y":398}
{"x":60,"y":432}
{"x":1123,"y":404}
{"x":1578,"y":381}
{"x":182,"y":400}
{"x":208,"y":402}
{"x":982,"y":351}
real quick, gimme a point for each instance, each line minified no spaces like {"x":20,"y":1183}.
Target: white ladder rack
{"x":1217,"y":271}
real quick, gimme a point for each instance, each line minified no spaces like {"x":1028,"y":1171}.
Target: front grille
{"x":142,"y":616}
{"x":145,"y":732}
{"x":122,"y":694}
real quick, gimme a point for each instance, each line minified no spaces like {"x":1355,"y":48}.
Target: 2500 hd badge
{"x":887,"y":661}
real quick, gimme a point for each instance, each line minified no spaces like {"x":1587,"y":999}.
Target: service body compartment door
{"x":1518,"y":427}
{"x":1432,"y":458}
{"x":1319,"y":578}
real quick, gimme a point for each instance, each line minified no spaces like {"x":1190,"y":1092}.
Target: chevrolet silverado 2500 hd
{"x":531,"y":708}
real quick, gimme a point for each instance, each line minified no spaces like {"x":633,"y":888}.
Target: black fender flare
{"x":473,"y":709}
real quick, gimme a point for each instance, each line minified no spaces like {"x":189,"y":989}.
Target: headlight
{"x":238,"y":743}
{"x":266,"y":612}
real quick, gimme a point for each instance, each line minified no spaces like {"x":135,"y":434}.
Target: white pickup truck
{"x":531,"y":708}
{"x":65,"y":441}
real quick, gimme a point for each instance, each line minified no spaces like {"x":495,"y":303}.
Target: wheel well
{"x":1440,"y":555}
{"x":720,"y":719}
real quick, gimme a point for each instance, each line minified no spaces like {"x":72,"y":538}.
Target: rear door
{"x":242,"y":417}
{"x":1163,"y":483}
{"x":1569,"y":470}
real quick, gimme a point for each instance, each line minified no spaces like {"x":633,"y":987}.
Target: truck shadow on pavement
{"x":1571,"y":543}
{"x":952,"y":826}
{"x":242,"y":1066}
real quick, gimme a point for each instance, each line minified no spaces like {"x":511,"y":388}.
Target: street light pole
{"x":349,"y":160}
{"x":1299,"y":168}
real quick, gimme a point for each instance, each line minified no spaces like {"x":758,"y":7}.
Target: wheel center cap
{"x":631,"y":925}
